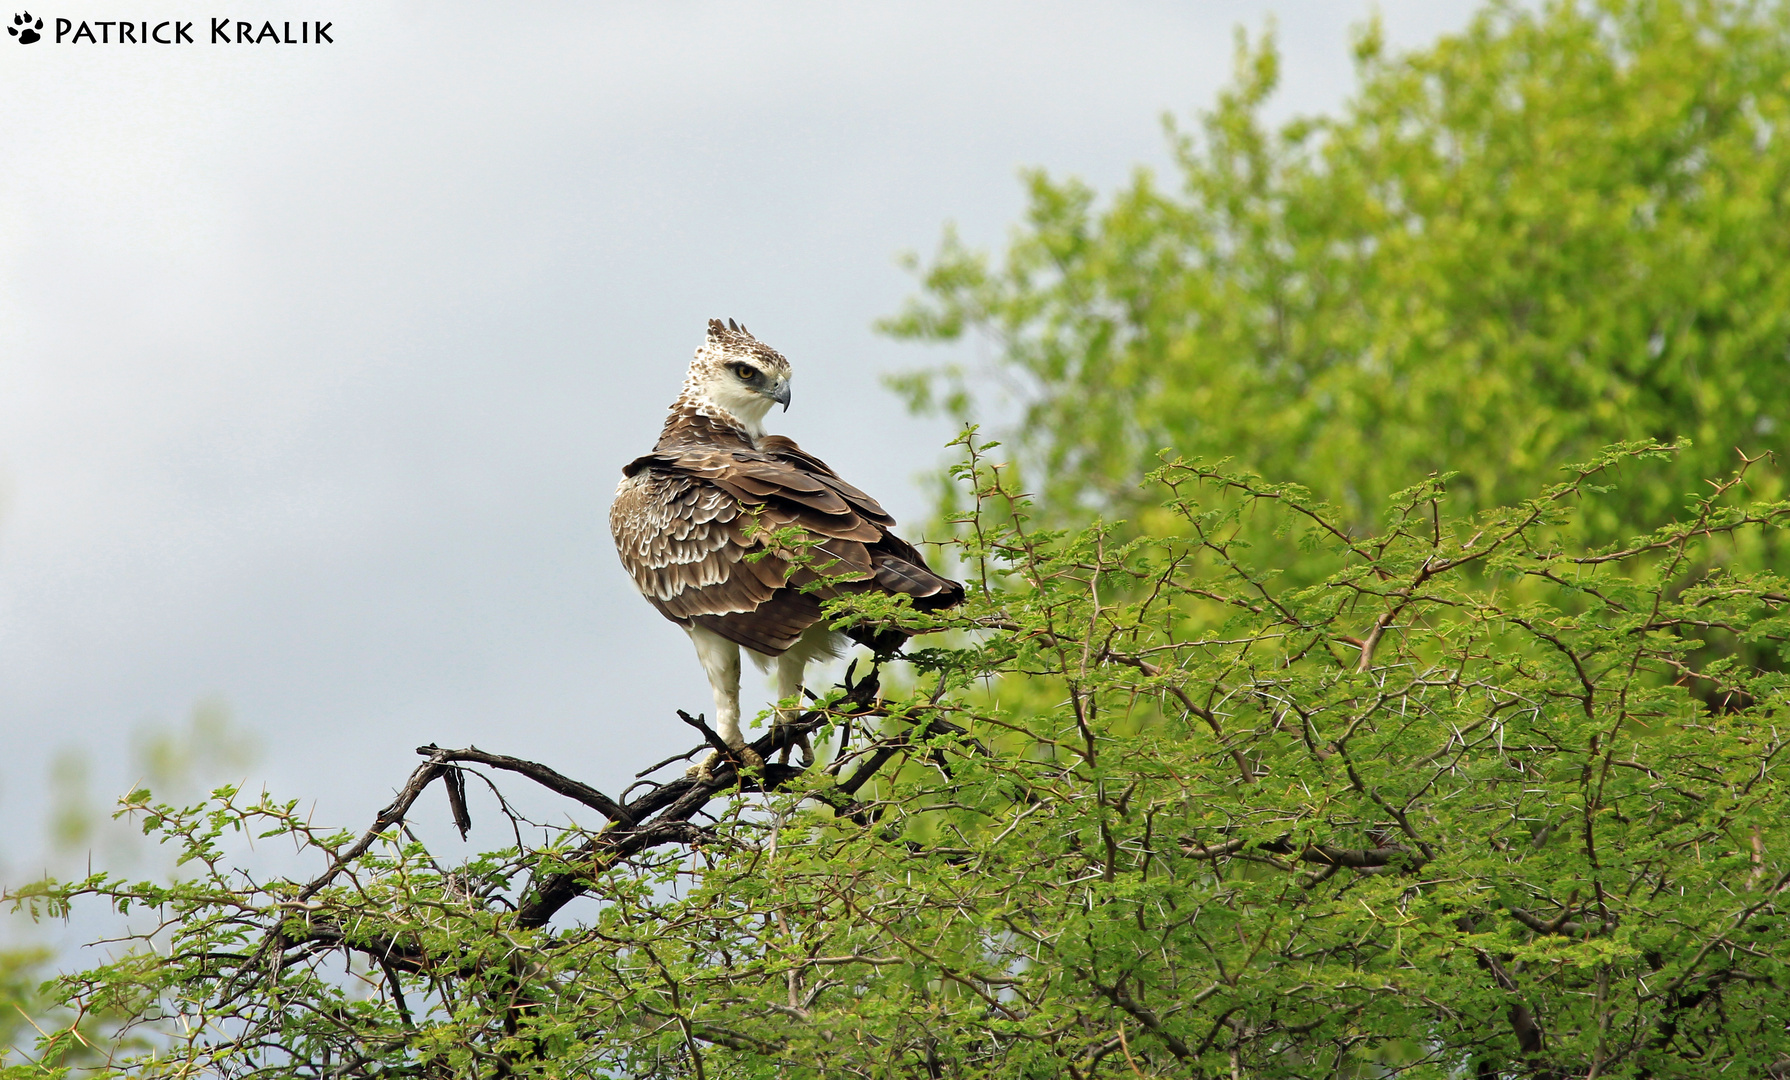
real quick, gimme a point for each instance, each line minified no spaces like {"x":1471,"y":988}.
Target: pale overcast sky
{"x":318,"y":363}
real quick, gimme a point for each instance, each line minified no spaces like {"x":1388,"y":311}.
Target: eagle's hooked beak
{"x":781,"y":396}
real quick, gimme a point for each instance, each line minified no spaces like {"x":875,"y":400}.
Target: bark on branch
{"x":656,"y":818}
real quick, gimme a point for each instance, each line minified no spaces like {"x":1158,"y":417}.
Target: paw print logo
{"x":25,"y":29}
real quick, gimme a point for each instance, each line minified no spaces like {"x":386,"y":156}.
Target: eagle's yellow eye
{"x":745,"y":371}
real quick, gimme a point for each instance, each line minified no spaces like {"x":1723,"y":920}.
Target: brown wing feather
{"x":687,"y":517}
{"x":786,"y":449}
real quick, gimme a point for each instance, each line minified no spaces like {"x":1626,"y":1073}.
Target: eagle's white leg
{"x":721,"y":663}
{"x":818,"y":642}
{"x":790,"y":667}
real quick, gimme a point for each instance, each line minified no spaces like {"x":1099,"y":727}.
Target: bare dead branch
{"x":548,"y":778}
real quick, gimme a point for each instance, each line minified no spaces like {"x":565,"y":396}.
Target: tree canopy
{"x":1155,"y":812}
{"x":1562,"y":228}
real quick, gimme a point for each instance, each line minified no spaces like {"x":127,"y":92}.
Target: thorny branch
{"x":1349,"y":819}
{"x":656,"y":818}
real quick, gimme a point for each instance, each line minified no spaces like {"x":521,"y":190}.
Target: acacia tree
{"x":1151,"y":810}
{"x":1561,"y":228}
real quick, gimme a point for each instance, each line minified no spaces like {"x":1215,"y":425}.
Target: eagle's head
{"x":738,"y":374}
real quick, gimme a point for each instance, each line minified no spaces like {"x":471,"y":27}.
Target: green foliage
{"x":21,"y":970}
{"x":1563,"y":228}
{"x":177,"y":760}
{"x":1154,"y":809}
{"x":172,"y":760}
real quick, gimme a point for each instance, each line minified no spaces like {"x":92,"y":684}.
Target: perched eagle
{"x":715,"y":491}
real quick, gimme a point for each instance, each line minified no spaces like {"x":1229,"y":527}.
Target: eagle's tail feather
{"x":930,"y":591}
{"x":898,"y":567}
{"x":897,"y":572}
